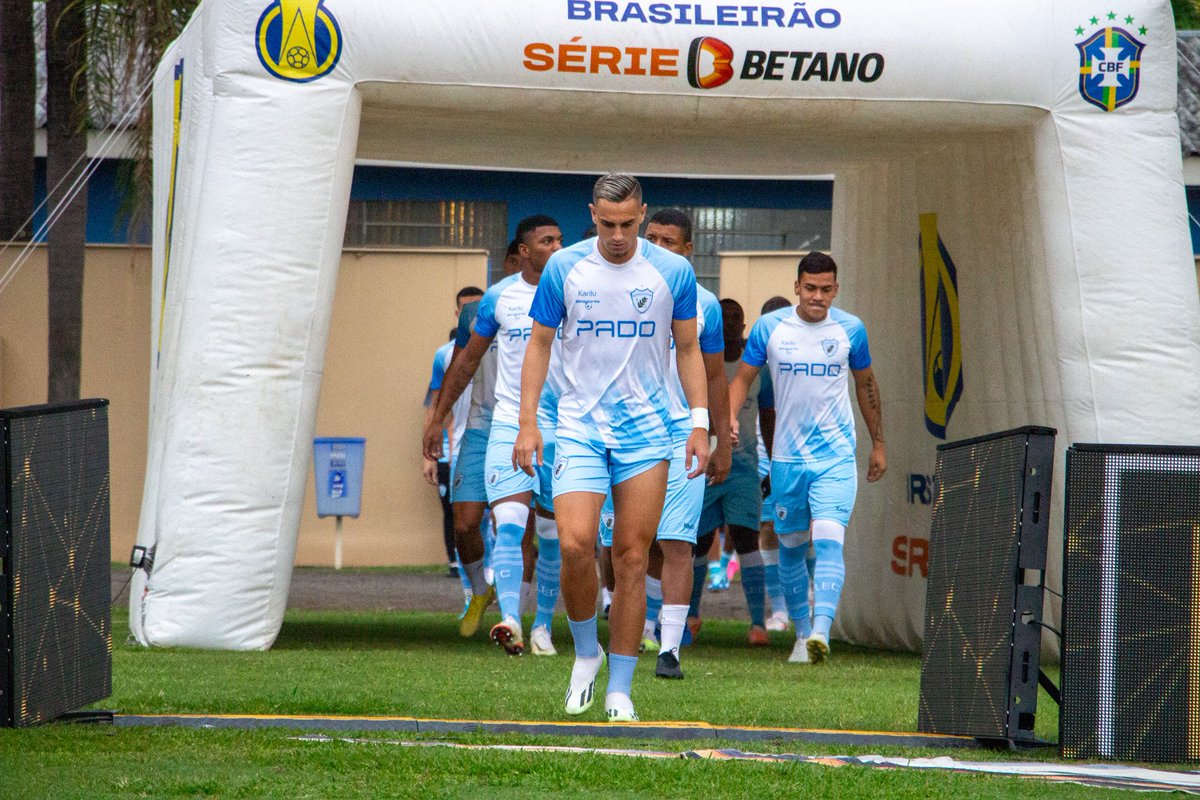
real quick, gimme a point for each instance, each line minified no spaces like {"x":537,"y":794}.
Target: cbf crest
{"x":1110,"y":61}
{"x":642,"y":298}
{"x":298,"y":40}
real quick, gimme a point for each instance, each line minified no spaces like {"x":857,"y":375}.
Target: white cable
{"x":80,"y":182}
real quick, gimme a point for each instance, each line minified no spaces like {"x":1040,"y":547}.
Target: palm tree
{"x":66,"y":151}
{"x":18,"y":97}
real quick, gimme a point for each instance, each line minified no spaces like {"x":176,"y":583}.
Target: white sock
{"x":673,"y":619}
{"x":479,"y":583}
{"x":526,"y":595}
{"x":605,"y":596}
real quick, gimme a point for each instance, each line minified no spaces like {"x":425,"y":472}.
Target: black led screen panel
{"x":1131,"y":606}
{"x":55,"y":592}
{"x":983,"y":605}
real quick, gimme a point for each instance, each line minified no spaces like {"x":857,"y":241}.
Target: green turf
{"x":414,"y":664}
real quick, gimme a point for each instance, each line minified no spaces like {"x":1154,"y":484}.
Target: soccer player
{"x":619,"y":300}
{"x":669,"y":579}
{"x":468,"y":493}
{"x":768,"y":545}
{"x":503,"y":322}
{"x":737,"y":502}
{"x":810,"y":352}
{"x":438,"y":472}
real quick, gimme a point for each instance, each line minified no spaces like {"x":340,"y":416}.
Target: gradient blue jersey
{"x":461,"y":408}
{"x":616,"y":334}
{"x":483,"y":384}
{"x":809,"y":365}
{"x":711,"y":332}
{"x":504,"y":315}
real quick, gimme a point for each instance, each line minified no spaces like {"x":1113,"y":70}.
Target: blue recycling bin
{"x":338,"y":467}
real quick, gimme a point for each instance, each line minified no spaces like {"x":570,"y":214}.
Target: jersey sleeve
{"x":860,"y":351}
{"x":463,"y":335}
{"x":755,"y":353}
{"x":712,"y":338}
{"x":439,"y":371}
{"x":766,"y":390}
{"x":486,"y":324}
{"x":683,"y":287}
{"x":549,"y":306}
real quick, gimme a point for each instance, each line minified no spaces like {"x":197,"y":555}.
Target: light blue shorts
{"x":737,"y":501}
{"x":606,"y":521}
{"x":504,"y":481}
{"x":804,"y":492}
{"x":467,"y":484}
{"x":591,"y":467}
{"x":685,"y":498}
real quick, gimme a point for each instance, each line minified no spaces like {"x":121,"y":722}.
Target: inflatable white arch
{"x":1041,"y":133}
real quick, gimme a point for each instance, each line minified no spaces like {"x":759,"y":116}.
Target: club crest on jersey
{"x":560,"y":466}
{"x":642,"y":298}
{"x":829,"y":347}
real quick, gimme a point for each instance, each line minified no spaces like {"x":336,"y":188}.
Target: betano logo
{"x":940,"y":331}
{"x":710,"y":63}
{"x":298,"y":40}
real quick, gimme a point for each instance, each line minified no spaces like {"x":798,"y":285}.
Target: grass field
{"x":414,"y":664}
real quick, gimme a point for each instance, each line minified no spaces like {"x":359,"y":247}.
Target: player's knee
{"x":828,"y":530}
{"x":793,"y":540}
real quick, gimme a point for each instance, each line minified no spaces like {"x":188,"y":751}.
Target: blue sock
{"x":654,"y":599}
{"x":549,"y":569}
{"x":462,"y":574}
{"x":489,"y":538}
{"x":507,"y":560}
{"x":771,"y":579}
{"x":828,"y":577}
{"x":620,"y":673}
{"x":753,"y":587}
{"x":699,"y":570}
{"x":793,"y":575}
{"x":586,"y":637}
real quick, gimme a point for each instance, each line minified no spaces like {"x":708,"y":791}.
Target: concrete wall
{"x":392,"y":310}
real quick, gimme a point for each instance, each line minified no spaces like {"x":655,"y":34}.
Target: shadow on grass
{"x":358,"y":631}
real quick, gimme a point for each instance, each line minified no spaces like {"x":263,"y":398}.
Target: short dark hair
{"x":617,"y":187}
{"x":730,"y":307}
{"x":530,"y":224}
{"x":816,"y":263}
{"x":673,"y":216}
{"x":513,"y":248}
{"x":468,"y":291}
{"x":775,"y":303}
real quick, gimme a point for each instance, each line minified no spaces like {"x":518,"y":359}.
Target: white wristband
{"x":700,"y":418}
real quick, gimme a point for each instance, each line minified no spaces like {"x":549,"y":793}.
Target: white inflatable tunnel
{"x":1009,"y":173}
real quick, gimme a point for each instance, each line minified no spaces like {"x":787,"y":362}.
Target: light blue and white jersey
{"x":750,"y":449}
{"x":483,"y":384}
{"x":552,"y":390}
{"x":809,"y":365}
{"x":616,"y":330}
{"x":711,"y":332}
{"x":504,"y":315}
{"x":452,"y":439}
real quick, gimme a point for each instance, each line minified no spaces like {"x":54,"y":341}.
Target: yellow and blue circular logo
{"x":298,"y":40}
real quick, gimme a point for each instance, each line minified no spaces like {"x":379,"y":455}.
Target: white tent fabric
{"x":1055,"y":178}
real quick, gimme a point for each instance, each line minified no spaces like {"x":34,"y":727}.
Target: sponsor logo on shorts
{"x":606,"y":519}
{"x":458,"y":479}
{"x":780,"y":512}
{"x":560,"y":465}
{"x":493,"y":477}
